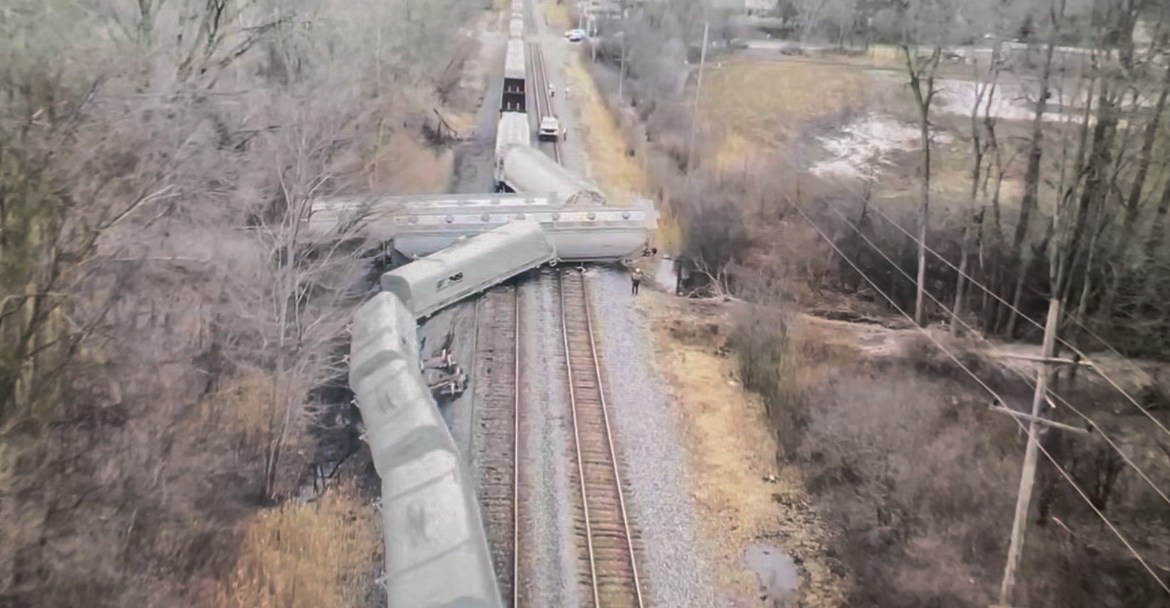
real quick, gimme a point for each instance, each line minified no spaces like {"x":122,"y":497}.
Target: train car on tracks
{"x":515,"y":76}
{"x":436,"y":548}
{"x":468,"y":266}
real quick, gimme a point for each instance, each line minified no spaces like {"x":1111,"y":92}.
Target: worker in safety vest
{"x":635,"y":280}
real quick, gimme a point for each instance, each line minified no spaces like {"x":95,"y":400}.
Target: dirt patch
{"x":405,"y":165}
{"x":743,"y":496}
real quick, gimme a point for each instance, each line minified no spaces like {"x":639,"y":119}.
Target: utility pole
{"x":698,"y":91}
{"x":1031,"y":453}
{"x":622,"y":70}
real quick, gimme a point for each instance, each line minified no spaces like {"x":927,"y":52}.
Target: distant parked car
{"x":791,"y":49}
{"x":575,"y":35}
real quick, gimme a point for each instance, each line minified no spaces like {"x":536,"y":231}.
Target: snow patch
{"x":865,"y":144}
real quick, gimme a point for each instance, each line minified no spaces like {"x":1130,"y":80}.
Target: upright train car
{"x":514,"y":77}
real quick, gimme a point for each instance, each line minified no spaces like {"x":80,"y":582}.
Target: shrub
{"x":768,"y":366}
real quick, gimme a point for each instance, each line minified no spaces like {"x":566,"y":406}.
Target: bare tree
{"x":924,"y":24}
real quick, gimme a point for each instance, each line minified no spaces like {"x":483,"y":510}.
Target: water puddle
{"x":776,"y":571}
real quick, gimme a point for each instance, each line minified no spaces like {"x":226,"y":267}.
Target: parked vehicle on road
{"x":551,"y":129}
{"x":575,"y":35}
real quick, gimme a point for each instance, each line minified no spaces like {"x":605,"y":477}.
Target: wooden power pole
{"x":698,"y":91}
{"x":1031,"y":453}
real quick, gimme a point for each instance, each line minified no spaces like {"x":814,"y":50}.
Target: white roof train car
{"x":436,"y":549}
{"x":516,"y":28}
{"x":529,"y":171}
{"x":468,"y":266}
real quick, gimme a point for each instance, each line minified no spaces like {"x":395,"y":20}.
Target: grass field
{"x":759,"y":103}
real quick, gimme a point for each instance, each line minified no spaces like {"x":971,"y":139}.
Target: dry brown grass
{"x":557,"y":14}
{"x":732,"y":454}
{"x":315,"y":555}
{"x":620,"y":176}
{"x":758,"y":103}
{"x":405,"y":165}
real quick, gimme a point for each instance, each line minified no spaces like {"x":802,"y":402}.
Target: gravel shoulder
{"x":741,"y":494}
{"x":673,"y":564}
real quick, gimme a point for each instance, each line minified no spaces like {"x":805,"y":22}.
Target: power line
{"x":923,"y":331}
{"x":1096,"y":427}
{"x":1109,"y":380}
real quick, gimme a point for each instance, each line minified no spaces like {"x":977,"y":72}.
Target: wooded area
{"x":164,"y":320}
{"x":990,"y":218}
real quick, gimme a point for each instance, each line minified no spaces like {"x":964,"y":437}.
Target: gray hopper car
{"x":513,"y":130}
{"x":436,"y":549}
{"x":469,"y":266}
{"x":530,"y":171}
{"x":579,"y":233}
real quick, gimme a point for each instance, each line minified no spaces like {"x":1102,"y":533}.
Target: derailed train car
{"x":436,"y":549}
{"x":580,"y":233}
{"x":530,"y":171}
{"x":468,"y":266}
{"x":513,"y":130}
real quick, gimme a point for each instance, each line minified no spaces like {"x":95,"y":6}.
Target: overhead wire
{"x":1096,"y":368}
{"x":1065,"y":474}
{"x":1031,"y":383}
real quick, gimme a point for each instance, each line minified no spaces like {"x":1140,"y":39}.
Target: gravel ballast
{"x":673,"y":569}
{"x":548,"y":575}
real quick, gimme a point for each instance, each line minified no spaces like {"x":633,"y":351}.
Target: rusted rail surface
{"x":498,"y":443}
{"x":607,"y":567}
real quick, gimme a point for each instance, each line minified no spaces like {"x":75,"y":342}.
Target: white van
{"x":550,"y":129}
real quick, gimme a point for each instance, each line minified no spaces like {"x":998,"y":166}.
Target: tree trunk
{"x":1031,"y":175}
{"x":920,"y":76}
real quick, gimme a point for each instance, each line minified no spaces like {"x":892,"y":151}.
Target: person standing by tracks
{"x":635,"y":280}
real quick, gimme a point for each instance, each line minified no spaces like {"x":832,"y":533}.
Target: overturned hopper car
{"x":436,"y":549}
{"x":530,"y":171}
{"x":513,"y":130}
{"x":468,"y":266}
{"x":580,"y":233}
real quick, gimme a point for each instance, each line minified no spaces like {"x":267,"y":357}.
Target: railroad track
{"x":544,"y":103}
{"x":497,"y":381}
{"x":606,"y":564}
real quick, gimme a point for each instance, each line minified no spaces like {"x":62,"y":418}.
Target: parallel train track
{"x":499,"y":441}
{"x":541,"y":96}
{"x":607,"y":567}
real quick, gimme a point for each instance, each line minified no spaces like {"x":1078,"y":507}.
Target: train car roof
{"x":532,"y":172}
{"x":514,"y":63}
{"x":479,"y":247}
